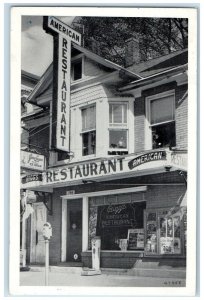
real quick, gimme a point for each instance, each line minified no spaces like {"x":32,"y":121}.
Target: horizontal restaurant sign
{"x":32,"y":161}
{"x":148,"y":162}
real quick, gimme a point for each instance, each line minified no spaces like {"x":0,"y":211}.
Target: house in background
{"x":124,"y":177}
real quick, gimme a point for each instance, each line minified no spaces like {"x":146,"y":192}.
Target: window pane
{"x":89,"y":143}
{"x":77,"y":69}
{"x":112,"y":222}
{"x":164,"y":135}
{"x":162,"y":110}
{"x":89,"y":118}
{"x":124,"y":113}
{"x":118,"y":139}
{"x":110,"y":113}
{"x":118,"y":113}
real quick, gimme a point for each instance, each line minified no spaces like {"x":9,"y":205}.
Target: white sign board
{"x":63,"y":36}
{"x":32,"y":161}
{"x":149,"y":163}
{"x":63,"y":29}
{"x":63,"y":101}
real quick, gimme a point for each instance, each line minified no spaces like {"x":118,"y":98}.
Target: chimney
{"x":132,"y":51}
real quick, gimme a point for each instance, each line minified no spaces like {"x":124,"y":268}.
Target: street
{"x":36,"y":278}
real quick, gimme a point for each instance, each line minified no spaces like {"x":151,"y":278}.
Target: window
{"x":162,"y":121}
{"x":118,"y":220}
{"x":89,"y":130}
{"x":164,"y":232}
{"x":118,"y":131}
{"x":77,"y":69}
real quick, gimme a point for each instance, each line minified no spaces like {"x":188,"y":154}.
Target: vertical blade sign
{"x":63,"y":36}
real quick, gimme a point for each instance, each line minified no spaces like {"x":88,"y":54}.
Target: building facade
{"x":125,"y":177}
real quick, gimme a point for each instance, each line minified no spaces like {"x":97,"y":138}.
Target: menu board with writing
{"x":135,"y":239}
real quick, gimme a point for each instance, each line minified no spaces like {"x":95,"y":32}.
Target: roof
{"x":105,"y":62}
{"x":29,"y":76}
{"x":161,"y":64}
{"x":46,"y":78}
{"x":138,"y":73}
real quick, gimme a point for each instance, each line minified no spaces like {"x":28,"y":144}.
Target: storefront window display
{"x":164,"y":232}
{"x":118,"y":220}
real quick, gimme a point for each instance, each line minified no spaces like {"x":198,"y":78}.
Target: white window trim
{"x":148,"y":126}
{"x":87,"y":131}
{"x":123,"y":124}
{"x":118,"y":126}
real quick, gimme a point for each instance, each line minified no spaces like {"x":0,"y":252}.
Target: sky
{"x":36,"y":44}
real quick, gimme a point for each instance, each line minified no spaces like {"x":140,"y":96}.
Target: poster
{"x":170,"y":242}
{"x":135,"y":239}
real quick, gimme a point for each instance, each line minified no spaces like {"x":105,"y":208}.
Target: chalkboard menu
{"x":135,"y":239}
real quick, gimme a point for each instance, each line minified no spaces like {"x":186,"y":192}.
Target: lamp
{"x":168,"y":168}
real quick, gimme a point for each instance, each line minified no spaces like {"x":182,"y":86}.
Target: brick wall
{"x":139,"y":124}
{"x":163,"y":196}
{"x":181,"y":115}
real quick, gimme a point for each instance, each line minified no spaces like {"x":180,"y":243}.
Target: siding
{"x":88,"y":94}
{"x":92,"y":69}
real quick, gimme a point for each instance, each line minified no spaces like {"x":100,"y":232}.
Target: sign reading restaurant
{"x":63,"y":36}
{"x":153,"y":160}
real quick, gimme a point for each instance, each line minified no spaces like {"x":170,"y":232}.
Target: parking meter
{"x":47,"y":231}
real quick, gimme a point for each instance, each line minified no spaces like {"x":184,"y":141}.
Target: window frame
{"x":85,"y":131}
{"x":75,"y":60}
{"x":118,"y":126}
{"x":149,"y":126}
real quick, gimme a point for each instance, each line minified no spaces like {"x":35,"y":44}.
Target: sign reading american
{"x":147,"y":157}
{"x":63,"y":35}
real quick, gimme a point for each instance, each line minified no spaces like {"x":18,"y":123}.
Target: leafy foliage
{"x":107,"y":36}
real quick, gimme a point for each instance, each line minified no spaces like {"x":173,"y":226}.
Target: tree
{"x":107,"y":36}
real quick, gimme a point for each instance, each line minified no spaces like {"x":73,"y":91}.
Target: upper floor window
{"x":162,"y":120}
{"x":118,"y":113}
{"x":76,"y":69}
{"x":118,"y":129}
{"x":89,"y":130}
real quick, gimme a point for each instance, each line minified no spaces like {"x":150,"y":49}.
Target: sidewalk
{"x":72,"y":277}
